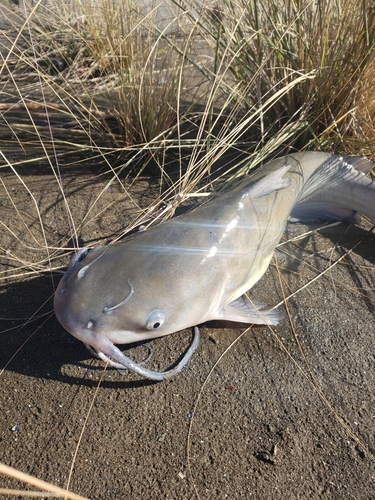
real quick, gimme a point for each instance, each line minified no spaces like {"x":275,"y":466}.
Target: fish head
{"x":105,"y":298}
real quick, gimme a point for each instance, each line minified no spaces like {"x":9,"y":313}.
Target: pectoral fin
{"x":244,"y":311}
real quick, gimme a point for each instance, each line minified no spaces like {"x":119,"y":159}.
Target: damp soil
{"x":288,"y":413}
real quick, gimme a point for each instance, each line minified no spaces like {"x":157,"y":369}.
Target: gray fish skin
{"x":196,"y":267}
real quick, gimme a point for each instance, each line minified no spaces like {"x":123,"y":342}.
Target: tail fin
{"x":338,"y":190}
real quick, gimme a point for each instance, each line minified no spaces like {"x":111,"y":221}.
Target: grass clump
{"x":117,"y":77}
{"x":96,"y":69}
{"x":271,"y":43}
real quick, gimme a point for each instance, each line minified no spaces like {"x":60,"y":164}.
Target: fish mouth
{"x":105,"y":350}
{"x":102,"y":347}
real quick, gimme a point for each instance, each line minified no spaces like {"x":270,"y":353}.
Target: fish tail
{"x":338,"y":190}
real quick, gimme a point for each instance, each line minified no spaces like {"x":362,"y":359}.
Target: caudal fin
{"x":338,"y":190}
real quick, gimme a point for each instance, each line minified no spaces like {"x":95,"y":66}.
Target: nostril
{"x":77,"y":257}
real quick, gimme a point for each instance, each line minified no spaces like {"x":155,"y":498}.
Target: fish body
{"x":196,"y":267}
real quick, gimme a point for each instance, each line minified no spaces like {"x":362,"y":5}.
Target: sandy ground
{"x":244,"y":419}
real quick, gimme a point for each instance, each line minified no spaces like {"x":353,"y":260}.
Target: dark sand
{"x":259,"y":429}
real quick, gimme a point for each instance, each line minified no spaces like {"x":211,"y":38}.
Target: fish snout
{"x":91,"y":325}
{"x":70,"y":314}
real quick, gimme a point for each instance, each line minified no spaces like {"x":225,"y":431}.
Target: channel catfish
{"x":198,"y":266}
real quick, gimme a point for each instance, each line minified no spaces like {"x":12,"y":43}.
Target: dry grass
{"x":272,"y":43}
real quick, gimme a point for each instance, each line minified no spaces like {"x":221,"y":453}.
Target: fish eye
{"x":155,"y":320}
